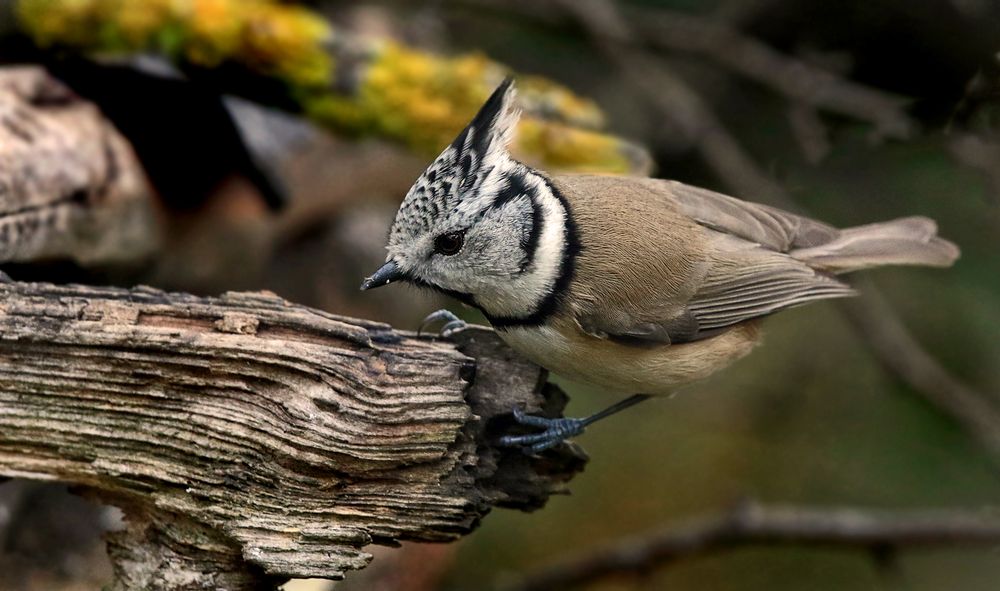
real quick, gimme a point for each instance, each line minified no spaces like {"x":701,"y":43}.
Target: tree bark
{"x":249,"y":439}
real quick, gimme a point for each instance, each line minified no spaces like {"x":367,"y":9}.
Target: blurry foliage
{"x":270,"y":38}
{"x":394,"y":91}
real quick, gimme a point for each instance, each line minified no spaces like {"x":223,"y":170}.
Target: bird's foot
{"x":554,"y":432}
{"x":452,"y":324}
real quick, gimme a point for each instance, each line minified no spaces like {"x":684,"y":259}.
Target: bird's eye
{"x":449,"y":244}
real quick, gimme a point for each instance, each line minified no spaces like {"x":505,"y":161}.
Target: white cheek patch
{"x":522,"y":295}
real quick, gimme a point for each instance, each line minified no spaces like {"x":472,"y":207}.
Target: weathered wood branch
{"x":249,"y":439}
{"x":70,"y":185}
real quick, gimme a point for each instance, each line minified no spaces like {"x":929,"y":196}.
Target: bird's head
{"x":479,"y":225}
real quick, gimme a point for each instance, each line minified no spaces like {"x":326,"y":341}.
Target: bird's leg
{"x":452,"y":323}
{"x":557,"y":430}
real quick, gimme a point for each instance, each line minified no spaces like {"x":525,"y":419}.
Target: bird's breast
{"x":562,"y":348}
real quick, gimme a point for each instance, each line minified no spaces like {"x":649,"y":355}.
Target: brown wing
{"x":695,"y":262}
{"x":751,"y":281}
{"x":772,"y":228}
{"x":905,"y":241}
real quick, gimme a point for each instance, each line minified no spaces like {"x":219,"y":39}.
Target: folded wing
{"x":761,"y":260}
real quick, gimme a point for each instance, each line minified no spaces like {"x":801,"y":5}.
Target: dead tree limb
{"x":756,"y":525}
{"x":249,"y":439}
{"x":70,"y":185}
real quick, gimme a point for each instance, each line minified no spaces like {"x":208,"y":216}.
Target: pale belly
{"x":627,"y":368}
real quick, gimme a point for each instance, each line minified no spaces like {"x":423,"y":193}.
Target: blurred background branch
{"x":670,"y":30}
{"x":893,"y":345}
{"x":752,"y":524}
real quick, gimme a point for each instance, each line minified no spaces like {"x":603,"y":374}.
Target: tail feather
{"x":904,"y":241}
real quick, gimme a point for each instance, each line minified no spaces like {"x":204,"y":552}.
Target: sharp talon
{"x":433,"y":317}
{"x":515,"y":440}
{"x":533,"y":449}
{"x":531,"y":420}
{"x":554,"y":432}
{"x":453,"y":324}
{"x":452,"y":328}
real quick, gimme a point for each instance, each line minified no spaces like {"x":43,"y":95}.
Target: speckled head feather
{"x":460,"y":170}
{"x":481,"y":226}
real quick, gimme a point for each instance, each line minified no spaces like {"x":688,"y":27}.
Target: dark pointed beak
{"x":385,"y":275}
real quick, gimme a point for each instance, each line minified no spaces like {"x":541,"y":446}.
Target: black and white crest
{"x":461,"y":170}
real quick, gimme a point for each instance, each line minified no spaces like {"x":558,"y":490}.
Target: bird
{"x":635,"y":285}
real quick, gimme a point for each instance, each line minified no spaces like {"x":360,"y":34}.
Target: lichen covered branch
{"x":344,"y":82}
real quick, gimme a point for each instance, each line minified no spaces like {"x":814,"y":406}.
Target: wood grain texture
{"x":70,"y":185}
{"x":249,"y":439}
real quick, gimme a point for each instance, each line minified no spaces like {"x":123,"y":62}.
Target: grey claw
{"x":453,"y":324}
{"x":515,"y":440}
{"x":530,"y":420}
{"x":531,"y":444}
{"x":533,"y":449}
{"x":452,"y":328}
{"x":554,"y":432}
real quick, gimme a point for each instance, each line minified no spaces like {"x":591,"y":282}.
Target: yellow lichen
{"x":419,"y":98}
{"x":140,"y":22}
{"x":213,"y":30}
{"x":404,"y":94}
{"x":560,"y":146}
{"x":69,"y":22}
{"x":287,"y":42}
{"x":274,"y":39}
{"x":542,"y":96}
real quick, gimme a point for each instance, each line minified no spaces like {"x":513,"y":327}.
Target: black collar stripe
{"x":567,"y":268}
